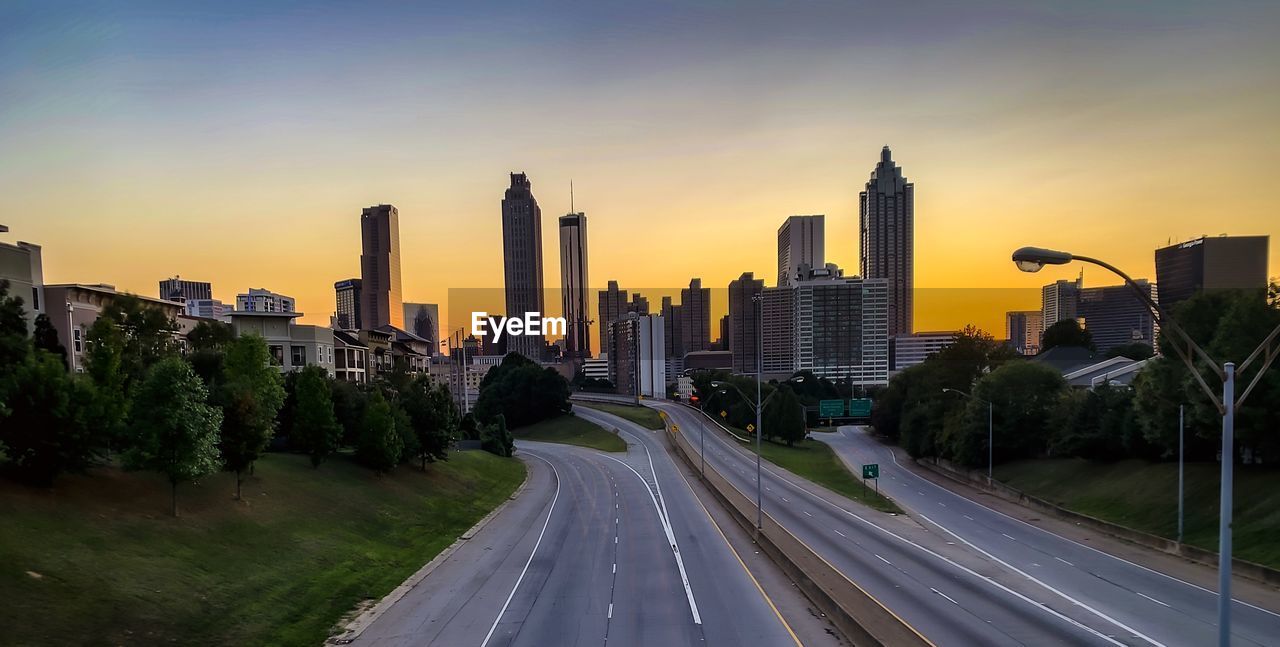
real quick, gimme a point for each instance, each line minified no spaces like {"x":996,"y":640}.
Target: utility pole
{"x":1181,"y":463}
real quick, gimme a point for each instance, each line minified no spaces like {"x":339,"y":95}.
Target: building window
{"x":298,"y":354}
{"x":78,"y":337}
{"x":277,"y":355}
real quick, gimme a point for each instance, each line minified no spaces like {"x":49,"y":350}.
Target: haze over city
{"x":243,"y":141}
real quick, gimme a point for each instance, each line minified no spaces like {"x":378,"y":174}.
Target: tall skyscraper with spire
{"x":887,"y":227}
{"x":380,"y":298}
{"x":522,"y":260}
{"x":573,"y":284}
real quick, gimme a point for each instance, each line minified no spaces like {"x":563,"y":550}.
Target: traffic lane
{"x":1166,"y":609}
{"x":941,"y":599}
{"x":734,"y":611}
{"x":456,"y":603}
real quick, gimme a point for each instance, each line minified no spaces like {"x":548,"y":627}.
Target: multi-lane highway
{"x":946,"y":586}
{"x":1162,"y":609}
{"x":598,"y":548}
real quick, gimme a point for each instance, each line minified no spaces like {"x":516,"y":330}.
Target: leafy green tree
{"x":348,"y":406}
{"x":1067,"y":332}
{"x":211,"y":335}
{"x":44,"y":432}
{"x":315,"y":425}
{"x":468,"y":429}
{"x":783,"y":417}
{"x":495,"y":438}
{"x":176,"y":428}
{"x":522,"y":392}
{"x":379,"y":444}
{"x":104,"y":365}
{"x":433,"y":417}
{"x":1025,"y":395}
{"x":250,"y":395}
{"x":45,"y":337}
{"x":14,"y":345}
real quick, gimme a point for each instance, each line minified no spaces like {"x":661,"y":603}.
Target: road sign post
{"x":870,"y":471}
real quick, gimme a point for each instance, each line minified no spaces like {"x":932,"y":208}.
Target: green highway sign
{"x":830,"y":408}
{"x":871,"y":471}
{"x":860,"y":407}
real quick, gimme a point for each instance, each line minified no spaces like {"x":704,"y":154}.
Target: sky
{"x":238,"y":142}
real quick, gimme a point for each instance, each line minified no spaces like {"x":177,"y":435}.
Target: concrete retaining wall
{"x":858,"y":615}
{"x":1253,"y":571}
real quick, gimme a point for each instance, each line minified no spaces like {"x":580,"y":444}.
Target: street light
{"x":1033,"y":259}
{"x":759,"y":407}
{"x":990,"y":428}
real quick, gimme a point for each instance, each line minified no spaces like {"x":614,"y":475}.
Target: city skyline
{"x":147,"y":127}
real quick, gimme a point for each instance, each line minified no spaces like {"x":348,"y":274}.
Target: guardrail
{"x":856,"y":613}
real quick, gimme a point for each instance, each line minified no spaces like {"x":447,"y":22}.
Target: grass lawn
{"x":1144,"y":495}
{"x":572,"y":430}
{"x":817,"y":462}
{"x":98,"y":561}
{"x":643,"y":416}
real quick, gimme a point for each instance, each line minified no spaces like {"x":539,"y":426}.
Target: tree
{"x":495,"y":438}
{"x":45,"y":432}
{"x":379,"y":444}
{"x":348,"y":406}
{"x":1024,"y":395}
{"x":14,"y":344}
{"x":250,"y":395}
{"x":211,"y":335}
{"x":1067,"y":332}
{"x":176,"y":428}
{"x":522,"y":392}
{"x":784,"y":417}
{"x":433,"y":417}
{"x":315,"y":425}
{"x":45,"y":337}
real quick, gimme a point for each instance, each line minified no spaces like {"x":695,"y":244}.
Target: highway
{"x":598,"y":548}
{"x":1165,"y":610}
{"x":950,"y":593}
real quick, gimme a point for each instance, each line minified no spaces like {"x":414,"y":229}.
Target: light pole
{"x":759,"y":407}
{"x":1033,"y":259}
{"x":990,"y":429}
{"x":466,"y":395}
{"x":1181,"y":461}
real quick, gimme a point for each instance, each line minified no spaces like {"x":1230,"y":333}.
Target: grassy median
{"x":97,"y":560}
{"x":1144,"y":496}
{"x":572,"y":430}
{"x":643,"y":416}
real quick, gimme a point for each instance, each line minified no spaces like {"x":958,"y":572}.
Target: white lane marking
{"x":1135,"y":633}
{"x":806,"y":512}
{"x":615,"y":569}
{"x":1064,"y":561}
{"x":942,"y":504}
{"x":1152,"y":599}
{"x":893,"y":455}
{"x":944,"y":595}
{"x":784,"y":499}
{"x":883,"y":559}
{"x":1009,"y":536}
{"x":536,"y":544}
{"x":968,"y":517}
{"x":666,"y":528}
{"x":842,"y":534}
{"x":610,"y":610}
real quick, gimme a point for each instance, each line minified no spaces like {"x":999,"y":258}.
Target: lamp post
{"x":1033,"y":259}
{"x":990,"y":429}
{"x":759,"y":407}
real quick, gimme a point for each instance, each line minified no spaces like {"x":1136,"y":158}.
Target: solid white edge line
{"x":536,"y":544}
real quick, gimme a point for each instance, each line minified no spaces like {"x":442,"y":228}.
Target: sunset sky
{"x":236,"y":143}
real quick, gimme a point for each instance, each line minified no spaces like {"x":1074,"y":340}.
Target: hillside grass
{"x":572,"y":430}
{"x":1143,"y":496}
{"x":98,"y":561}
{"x":643,"y":416}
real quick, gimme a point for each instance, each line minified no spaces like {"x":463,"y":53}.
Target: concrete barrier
{"x":1251,"y":570}
{"x":860,"y":617}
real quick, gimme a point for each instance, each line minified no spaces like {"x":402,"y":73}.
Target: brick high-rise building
{"x":887,"y":226}
{"x":612,"y":304}
{"x":743,"y":334}
{"x":381,"y":302}
{"x":695,"y":317}
{"x":522,"y":261}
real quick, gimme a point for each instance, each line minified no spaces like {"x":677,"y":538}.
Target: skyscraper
{"x":887,"y":226}
{"x":573,"y":284}
{"x":778,"y":316}
{"x":743,"y":334}
{"x":672,"y":316}
{"x":177,"y":289}
{"x":522,"y":260}
{"x":800,"y":242}
{"x":695,"y":317}
{"x":612,"y":304}
{"x":1059,"y":301}
{"x":264,"y":300}
{"x":1115,"y":316}
{"x":347,"y":301}
{"x":1221,"y":263}
{"x":381,"y":302}
{"x":842,"y":326}
{"x":423,"y":320}
{"x":1023,"y":328}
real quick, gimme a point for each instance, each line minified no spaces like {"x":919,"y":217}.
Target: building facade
{"x":423,"y":320}
{"x":1022,"y":328}
{"x":637,"y":355}
{"x":207,"y":309}
{"x":1115,"y":316}
{"x":743,"y":334}
{"x":778,"y":315}
{"x":1219,"y":263}
{"x":800,"y":242}
{"x":291,"y":346}
{"x":522,"y":260}
{"x":77,"y":306}
{"x":348,"y":300}
{"x":887,"y":229}
{"x":913,"y":349}
{"x":695,"y":317}
{"x":350,"y":357}
{"x":842,"y":326}
{"x":180,"y":290}
{"x":22,"y":266}
{"x":573,"y":285}
{"x":611,"y":304}
{"x":673,"y":345}
{"x":1059,"y":301}
{"x":263,"y":300}
{"x":380,"y":288}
